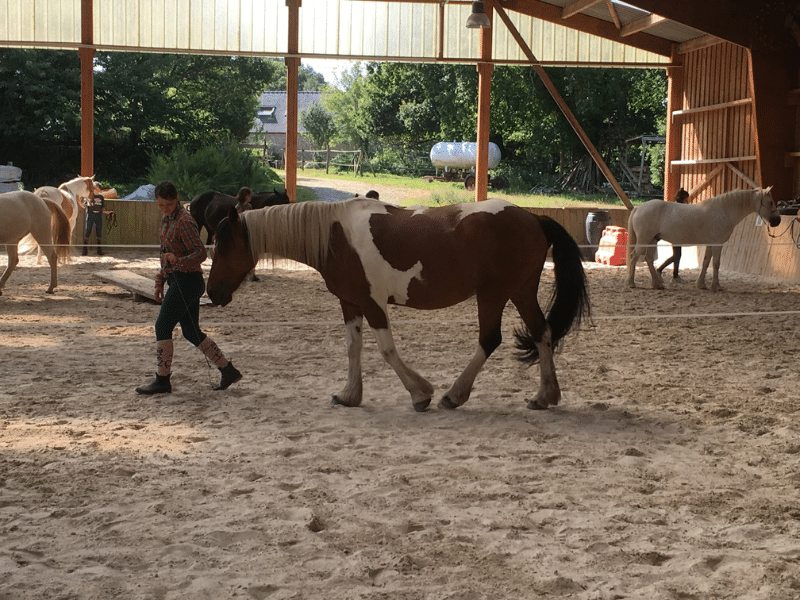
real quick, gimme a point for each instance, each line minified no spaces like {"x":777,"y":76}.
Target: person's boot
{"x":230,"y":375}
{"x":85,"y":250}
{"x":100,"y":249}
{"x":160,"y":385}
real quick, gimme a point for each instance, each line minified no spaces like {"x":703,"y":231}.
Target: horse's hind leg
{"x":549,"y":392}
{"x":490,"y":314}
{"x":655,"y":276}
{"x":352,"y":392}
{"x":13,"y":260}
{"x":52,"y":258}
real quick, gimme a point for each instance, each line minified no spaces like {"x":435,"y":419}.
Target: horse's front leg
{"x":352,"y":393}
{"x":419,"y":388}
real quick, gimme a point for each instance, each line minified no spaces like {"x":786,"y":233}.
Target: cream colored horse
{"x":68,"y":196}
{"x":23,"y":213}
{"x":708,"y":223}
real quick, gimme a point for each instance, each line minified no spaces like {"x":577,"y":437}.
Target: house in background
{"x":269,"y":128}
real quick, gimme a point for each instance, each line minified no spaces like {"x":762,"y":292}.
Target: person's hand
{"x":159,"y":293}
{"x":170,"y":258}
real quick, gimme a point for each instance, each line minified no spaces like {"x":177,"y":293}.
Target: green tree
{"x":319,"y":125}
{"x":308,"y":80}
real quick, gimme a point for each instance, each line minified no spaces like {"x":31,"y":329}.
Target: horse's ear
{"x":768,"y":190}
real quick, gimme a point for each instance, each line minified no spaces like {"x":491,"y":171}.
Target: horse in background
{"x":209,"y":208}
{"x":709,"y":223}
{"x":68,"y":196}
{"x":23,"y":213}
{"x":372,"y":254}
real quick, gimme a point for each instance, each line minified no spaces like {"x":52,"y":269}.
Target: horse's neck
{"x":734,"y":205}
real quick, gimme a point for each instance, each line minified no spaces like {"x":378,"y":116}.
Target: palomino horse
{"x":709,"y":223}
{"x":23,"y":213}
{"x":67,"y":196}
{"x":209,"y":208}
{"x":373,"y":254}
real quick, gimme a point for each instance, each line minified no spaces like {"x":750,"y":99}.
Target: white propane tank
{"x":461,"y":155}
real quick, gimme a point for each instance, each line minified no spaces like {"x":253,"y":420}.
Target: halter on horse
{"x":373,"y":254}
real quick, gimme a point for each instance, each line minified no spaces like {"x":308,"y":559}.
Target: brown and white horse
{"x":372,"y":254}
{"x":709,"y":223}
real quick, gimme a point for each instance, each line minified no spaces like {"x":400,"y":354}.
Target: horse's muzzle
{"x":219,"y":296}
{"x":774,"y":220}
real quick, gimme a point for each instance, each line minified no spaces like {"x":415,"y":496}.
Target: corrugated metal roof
{"x":366,"y":29}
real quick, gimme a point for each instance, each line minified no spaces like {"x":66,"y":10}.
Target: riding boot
{"x":85,"y":247}
{"x":161,"y":384}
{"x":230,"y":374}
{"x":100,"y":248}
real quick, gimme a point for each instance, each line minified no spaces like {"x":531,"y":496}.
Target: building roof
{"x":272,"y":110}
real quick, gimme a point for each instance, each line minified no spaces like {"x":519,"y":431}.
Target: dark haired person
{"x":182,"y":254}
{"x":675,"y":259}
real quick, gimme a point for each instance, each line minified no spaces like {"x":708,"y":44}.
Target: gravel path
{"x":331,"y":190}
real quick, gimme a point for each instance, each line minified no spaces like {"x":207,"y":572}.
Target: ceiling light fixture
{"x":478,"y":17}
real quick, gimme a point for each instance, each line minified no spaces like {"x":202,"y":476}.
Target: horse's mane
{"x":732,"y":196}
{"x":298,"y":231}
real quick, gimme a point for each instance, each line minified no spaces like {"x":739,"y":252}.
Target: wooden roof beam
{"x":640,"y":25}
{"x":581,"y":22}
{"x":573,"y":9}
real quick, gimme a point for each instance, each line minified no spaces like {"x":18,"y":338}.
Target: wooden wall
{"x":714,"y":120}
{"x":138,"y":224}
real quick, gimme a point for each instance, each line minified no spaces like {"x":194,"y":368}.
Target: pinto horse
{"x":709,"y":223}
{"x":372,"y":254}
{"x":22,"y":213}
{"x":209,"y":208}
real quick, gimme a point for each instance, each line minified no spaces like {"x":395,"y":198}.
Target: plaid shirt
{"x":180,"y":236}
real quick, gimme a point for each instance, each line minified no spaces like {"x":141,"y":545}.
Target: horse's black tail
{"x":569,"y":303}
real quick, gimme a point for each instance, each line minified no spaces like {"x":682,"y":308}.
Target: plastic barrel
{"x":596,"y":222}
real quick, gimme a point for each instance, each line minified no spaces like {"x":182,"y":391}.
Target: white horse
{"x":708,"y":223}
{"x":23,"y":213}
{"x":68,"y":196}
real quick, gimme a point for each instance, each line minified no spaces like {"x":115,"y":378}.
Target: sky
{"x":328,"y":67}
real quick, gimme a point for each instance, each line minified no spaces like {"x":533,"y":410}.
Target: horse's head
{"x":232,"y":259}
{"x":767,"y":207}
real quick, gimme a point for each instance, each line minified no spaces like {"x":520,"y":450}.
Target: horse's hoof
{"x":422,"y":406}
{"x":336,"y":402}
{"x":533,"y":405}
{"x":447,"y":403}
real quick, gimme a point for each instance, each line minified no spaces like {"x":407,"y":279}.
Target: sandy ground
{"x":671,"y":469}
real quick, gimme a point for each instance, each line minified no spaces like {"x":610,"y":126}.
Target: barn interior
{"x":732,"y":69}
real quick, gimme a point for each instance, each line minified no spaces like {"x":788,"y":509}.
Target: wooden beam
{"x":614,"y":15}
{"x":576,"y":126}
{"x":742,"y":176}
{"x":86,"y":54}
{"x":594,"y":26}
{"x":575,"y":7}
{"x":710,"y":107}
{"x":712,"y":161}
{"x":698,"y":43}
{"x":709,"y":178}
{"x":640,"y":25}
{"x":292,"y":70}
{"x":672,"y":150}
{"x":485,"y":69}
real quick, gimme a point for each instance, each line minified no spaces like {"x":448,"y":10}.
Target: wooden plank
{"x":141,"y":287}
{"x":720,"y":106}
{"x":708,"y":161}
{"x":575,"y":7}
{"x":646,"y":22}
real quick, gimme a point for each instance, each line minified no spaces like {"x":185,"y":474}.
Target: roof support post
{"x":485,"y":69}
{"x":86,"y":54}
{"x":672,"y":150}
{"x":292,"y":69}
{"x":548,"y":83}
